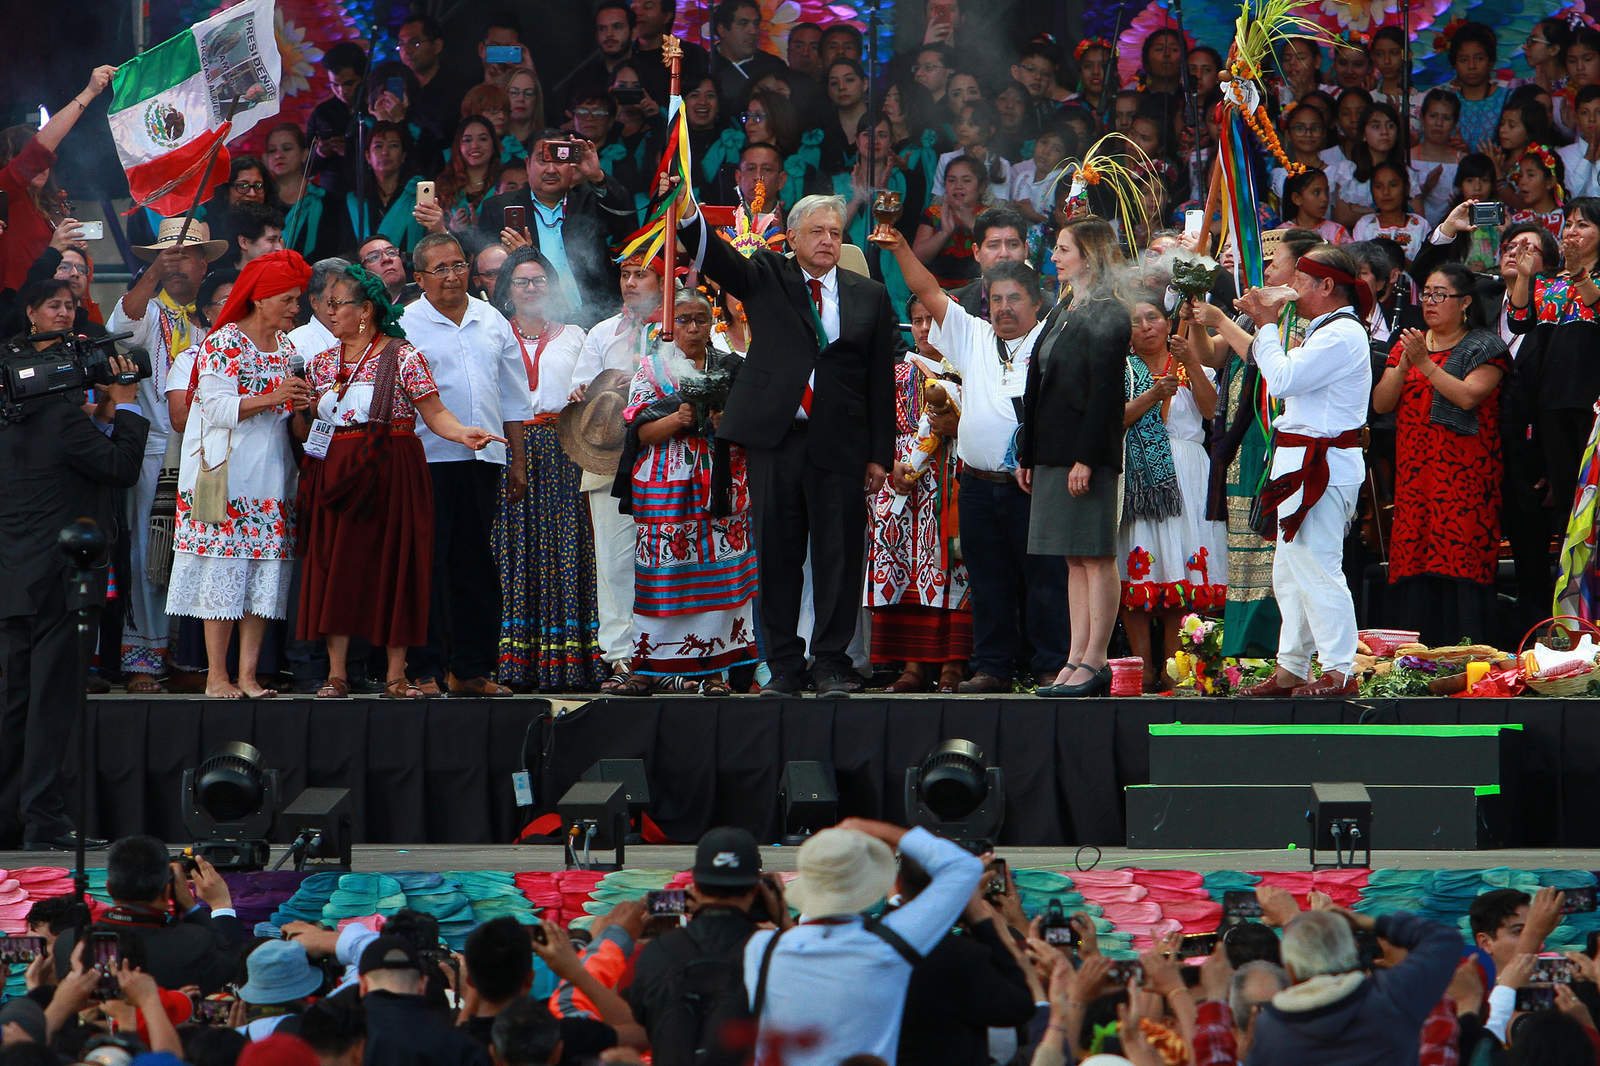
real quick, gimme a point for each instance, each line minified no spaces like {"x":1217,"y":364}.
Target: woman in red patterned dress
{"x":1445,"y":383}
{"x":916,"y":586}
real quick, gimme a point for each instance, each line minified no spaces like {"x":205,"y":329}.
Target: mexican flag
{"x":170,"y":105}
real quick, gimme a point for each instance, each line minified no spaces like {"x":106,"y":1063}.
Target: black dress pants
{"x":464,"y":605}
{"x":794,"y":502}
{"x":39,"y":657}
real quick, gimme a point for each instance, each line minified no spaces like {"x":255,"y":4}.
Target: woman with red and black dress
{"x":1445,"y":383}
{"x":366,"y":503}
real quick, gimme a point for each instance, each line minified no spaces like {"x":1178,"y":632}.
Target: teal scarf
{"x":1152,"y":480}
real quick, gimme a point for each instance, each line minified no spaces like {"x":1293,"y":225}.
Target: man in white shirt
{"x":477,"y":365}
{"x":315,"y":337}
{"x":1018,"y":600}
{"x":616,"y":343}
{"x":835,"y":985}
{"x":1317,"y":466}
{"x":159,"y":311}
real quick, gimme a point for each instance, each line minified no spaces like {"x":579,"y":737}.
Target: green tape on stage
{"x":1179,"y":729}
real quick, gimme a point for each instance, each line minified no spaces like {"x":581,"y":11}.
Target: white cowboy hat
{"x":198,"y":236}
{"x":842,"y":871}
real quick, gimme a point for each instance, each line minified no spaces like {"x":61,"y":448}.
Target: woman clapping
{"x":366,"y":501}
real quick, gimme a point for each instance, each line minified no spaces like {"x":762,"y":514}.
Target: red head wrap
{"x":267,"y":275}
{"x":1307,"y":265}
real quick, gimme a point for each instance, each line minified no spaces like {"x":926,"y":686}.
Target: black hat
{"x":727,"y":857}
{"x":390,"y":953}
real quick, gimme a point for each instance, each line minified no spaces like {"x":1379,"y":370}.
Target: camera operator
{"x":182,"y":941}
{"x":59,"y":466}
{"x":688,"y":983}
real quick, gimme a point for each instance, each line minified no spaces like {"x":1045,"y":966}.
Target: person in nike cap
{"x":727,"y":902}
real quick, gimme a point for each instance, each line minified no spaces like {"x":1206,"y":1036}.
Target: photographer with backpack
{"x":688,"y":987}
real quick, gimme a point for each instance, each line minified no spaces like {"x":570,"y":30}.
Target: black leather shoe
{"x":64,"y":842}
{"x":1098,"y":685}
{"x":835,"y":685}
{"x":984,"y":685}
{"x":781,"y":684}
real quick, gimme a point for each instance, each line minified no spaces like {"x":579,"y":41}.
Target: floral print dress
{"x":243,"y":564}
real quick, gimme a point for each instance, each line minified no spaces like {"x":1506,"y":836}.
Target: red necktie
{"x":815,"y":285}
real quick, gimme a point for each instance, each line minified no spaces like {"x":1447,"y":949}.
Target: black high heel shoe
{"x":1098,"y":685}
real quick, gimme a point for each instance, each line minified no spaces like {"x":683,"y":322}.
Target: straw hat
{"x":591,"y":431}
{"x":198,"y":236}
{"x":842,"y":871}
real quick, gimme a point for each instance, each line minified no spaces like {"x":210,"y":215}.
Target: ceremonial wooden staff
{"x":672,"y":56}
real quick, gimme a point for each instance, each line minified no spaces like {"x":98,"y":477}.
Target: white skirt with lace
{"x":204,"y":586}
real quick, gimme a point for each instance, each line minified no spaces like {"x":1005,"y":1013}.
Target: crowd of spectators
{"x":489,"y":202}
{"x":888,"y":946}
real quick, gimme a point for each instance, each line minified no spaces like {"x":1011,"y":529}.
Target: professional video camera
{"x":73,"y":363}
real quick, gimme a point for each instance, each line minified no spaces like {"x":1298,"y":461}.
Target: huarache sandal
{"x":620,"y":672}
{"x":635,"y":685}
{"x":715,"y":686}
{"x":145,"y":685}
{"x":335,"y":688}
{"x":401,"y":689}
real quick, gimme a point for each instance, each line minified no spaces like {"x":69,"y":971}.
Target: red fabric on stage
{"x":367,"y":574}
{"x":910,"y":632}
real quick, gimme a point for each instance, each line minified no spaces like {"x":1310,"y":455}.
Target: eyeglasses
{"x":530,"y":283}
{"x":590,"y":112}
{"x":334,"y":305}
{"x":415,"y":43}
{"x":1303,"y":129}
{"x":753,"y":116}
{"x":1535,"y":40}
{"x":1439,"y":296}
{"x":379,"y":255}
{"x":522,"y":94}
{"x":250,"y":186}
{"x":446,"y":270}
{"x":71,"y":268}
{"x":692,"y":320}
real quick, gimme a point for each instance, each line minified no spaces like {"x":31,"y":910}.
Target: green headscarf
{"x":386,"y":315}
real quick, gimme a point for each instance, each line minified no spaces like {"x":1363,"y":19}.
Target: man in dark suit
{"x":575,"y":214}
{"x":59,"y":467}
{"x":814,"y":409}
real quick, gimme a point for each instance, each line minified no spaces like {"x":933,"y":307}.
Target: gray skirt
{"x":1060,"y":523}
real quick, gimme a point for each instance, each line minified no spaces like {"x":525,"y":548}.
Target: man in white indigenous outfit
{"x":157,"y":311}
{"x":314,"y":338}
{"x":615,"y":343}
{"x":1317,"y":466}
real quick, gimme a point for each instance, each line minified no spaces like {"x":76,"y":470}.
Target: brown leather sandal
{"x":335,"y":688}
{"x":401,"y":688}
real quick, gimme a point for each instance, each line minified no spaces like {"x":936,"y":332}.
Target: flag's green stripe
{"x":167,"y":64}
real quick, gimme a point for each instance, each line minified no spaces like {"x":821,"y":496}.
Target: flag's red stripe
{"x":167,"y":185}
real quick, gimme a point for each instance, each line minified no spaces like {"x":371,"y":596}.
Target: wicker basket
{"x":1571,"y":630}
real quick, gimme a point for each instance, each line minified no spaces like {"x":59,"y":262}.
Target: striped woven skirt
{"x":545,"y":552}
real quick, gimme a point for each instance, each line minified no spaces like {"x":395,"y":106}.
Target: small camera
{"x":560,"y":151}
{"x":1057,"y":927}
{"x":1489,"y":213}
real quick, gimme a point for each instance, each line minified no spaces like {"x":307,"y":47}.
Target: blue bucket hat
{"x":280,"y":972}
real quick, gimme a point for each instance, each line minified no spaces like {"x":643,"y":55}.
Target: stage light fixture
{"x":1341,"y":822}
{"x":229,"y":803}
{"x":594,"y":814}
{"x":956,"y":794}
{"x":809,"y":800}
{"x":317,"y":828}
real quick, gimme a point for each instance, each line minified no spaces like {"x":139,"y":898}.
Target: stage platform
{"x":439,"y":771}
{"x":439,"y":858}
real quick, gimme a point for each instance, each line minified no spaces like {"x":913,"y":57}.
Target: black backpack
{"x":705,"y":1020}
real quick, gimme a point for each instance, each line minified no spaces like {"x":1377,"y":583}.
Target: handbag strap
{"x":761,"y":976}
